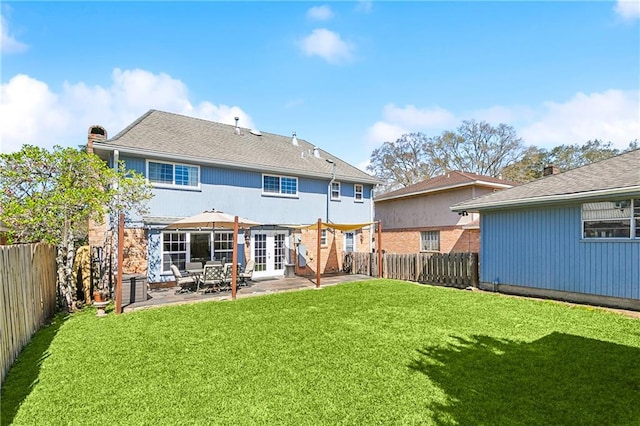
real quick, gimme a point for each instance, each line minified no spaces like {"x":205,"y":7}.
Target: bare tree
{"x":477,"y":147}
{"x":403,"y":162}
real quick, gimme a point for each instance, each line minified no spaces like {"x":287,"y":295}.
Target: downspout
{"x":333,"y":178}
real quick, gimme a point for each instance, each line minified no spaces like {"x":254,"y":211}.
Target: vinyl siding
{"x":240,"y":192}
{"x":543,"y":248}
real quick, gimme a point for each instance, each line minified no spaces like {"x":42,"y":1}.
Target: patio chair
{"x":248,"y":272}
{"x":212,"y":277}
{"x":225,"y":284}
{"x":186,"y":283}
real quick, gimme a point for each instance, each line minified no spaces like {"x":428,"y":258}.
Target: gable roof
{"x":616,"y":176}
{"x":450,"y":180}
{"x":174,"y":137}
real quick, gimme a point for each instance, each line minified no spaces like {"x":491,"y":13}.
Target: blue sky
{"x":346,"y":76}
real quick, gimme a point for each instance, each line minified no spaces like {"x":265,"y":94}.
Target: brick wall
{"x":332,"y":253}
{"x":135,"y":251}
{"x":452,"y":240}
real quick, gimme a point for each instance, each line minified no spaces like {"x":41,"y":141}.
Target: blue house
{"x":572,"y":236}
{"x":196,"y":165}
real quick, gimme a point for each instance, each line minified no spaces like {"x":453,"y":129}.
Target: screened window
{"x":335,"y":190}
{"x":279,"y":185}
{"x":174,"y":174}
{"x":174,"y":250}
{"x":611,"y":219}
{"x":358,"y":192}
{"x":430,"y":241}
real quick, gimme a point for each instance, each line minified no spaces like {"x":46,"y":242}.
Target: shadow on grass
{"x":23,"y":375}
{"x":558,"y":379}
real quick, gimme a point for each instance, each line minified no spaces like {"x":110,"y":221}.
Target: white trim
{"x":280,"y":193}
{"x":339,"y":191}
{"x":629,"y":191}
{"x":355,"y":192}
{"x":173,"y":173}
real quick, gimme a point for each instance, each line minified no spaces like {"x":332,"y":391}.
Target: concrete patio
{"x":167,"y":296}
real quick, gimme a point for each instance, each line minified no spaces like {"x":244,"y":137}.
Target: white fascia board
{"x":228,"y":164}
{"x":548,"y":199}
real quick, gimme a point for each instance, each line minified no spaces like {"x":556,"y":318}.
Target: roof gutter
{"x":97,"y":147}
{"x":549,"y":199}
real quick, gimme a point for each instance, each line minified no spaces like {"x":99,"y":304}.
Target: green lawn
{"x":372,"y":352}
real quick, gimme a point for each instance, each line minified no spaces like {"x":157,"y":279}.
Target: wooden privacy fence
{"x":27,"y":296}
{"x":451,"y":269}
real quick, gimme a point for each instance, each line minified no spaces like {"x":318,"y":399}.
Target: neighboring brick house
{"x":417,"y":218}
{"x":196,"y":165}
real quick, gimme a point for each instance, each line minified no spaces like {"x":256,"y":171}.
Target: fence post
{"x":473,"y":264}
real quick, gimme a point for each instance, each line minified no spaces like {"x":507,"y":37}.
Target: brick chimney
{"x":550,"y":170}
{"x":96,"y":134}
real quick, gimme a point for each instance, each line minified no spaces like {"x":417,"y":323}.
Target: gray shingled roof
{"x":452,"y":179}
{"x":618,"y":175}
{"x":179,"y":138}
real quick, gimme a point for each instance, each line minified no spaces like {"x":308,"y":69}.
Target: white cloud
{"x":8,"y":44}
{"x":612,"y":116}
{"x":628,"y":9}
{"x":327,"y":45}
{"x":398,"y":121}
{"x":320,"y":13}
{"x":364,"y":7}
{"x":32,"y":113}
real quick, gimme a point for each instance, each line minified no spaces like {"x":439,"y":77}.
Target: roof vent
{"x":255,"y":132}
{"x":294,"y":139}
{"x":316,"y":152}
{"x":237,"y":129}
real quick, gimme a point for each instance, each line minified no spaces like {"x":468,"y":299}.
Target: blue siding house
{"x":571,"y":236}
{"x":196,"y":165}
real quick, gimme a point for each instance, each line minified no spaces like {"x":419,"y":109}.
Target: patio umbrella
{"x":216,"y":219}
{"x":211,"y":219}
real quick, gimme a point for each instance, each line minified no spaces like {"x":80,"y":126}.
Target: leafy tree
{"x":477,"y":147}
{"x":51,"y":196}
{"x":403,"y":162}
{"x":565,"y":157}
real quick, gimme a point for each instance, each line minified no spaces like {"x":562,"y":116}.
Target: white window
{"x":335,"y":190}
{"x":174,"y":250}
{"x":349,"y":242}
{"x":173,"y":175}
{"x":223,"y":246}
{"x":358,"y":193}
{"x":430,"y":241}
{"x":286,"y":186}
{"x":611,"y":219}
{"x":323,"y":237}
{"x":178,"y":248}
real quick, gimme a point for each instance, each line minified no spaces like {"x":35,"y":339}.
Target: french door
{"x":269,"y":251}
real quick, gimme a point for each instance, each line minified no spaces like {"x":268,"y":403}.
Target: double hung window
{"x":358,"y":193}
{"x":335,"y":190}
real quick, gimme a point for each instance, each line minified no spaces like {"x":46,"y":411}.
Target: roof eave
{"x":107,"y":148}
{"x":445,"y":188}
{"x":549,"y":199}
